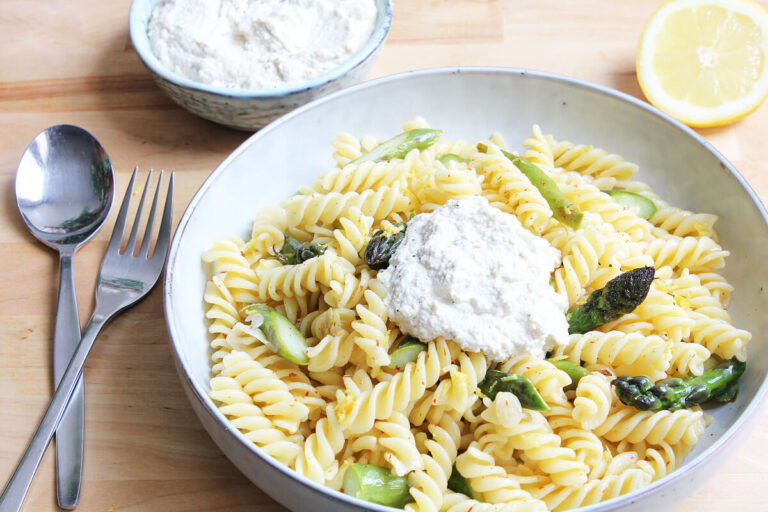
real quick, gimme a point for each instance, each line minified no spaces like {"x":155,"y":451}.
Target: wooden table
{"x":72,"y":62}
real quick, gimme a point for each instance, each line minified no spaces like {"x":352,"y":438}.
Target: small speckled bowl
{"x":250,"y":109}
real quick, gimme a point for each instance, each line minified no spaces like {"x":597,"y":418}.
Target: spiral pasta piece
{"x":399,"y":445}
{"x":347,"y":148}
{"x":593,"y":400}
{"x":654,"y":427}
{"x":590,"y":198}
{"x":594,"y":491}
{"x":361,"y":176}
{"x":585,"y":444}
{"x":299,"y":280}
{"x":248,"y":418}
{"x":689,"y":292}
{"x":591,"y":161}
{"x":370,"y":332}
{"x":515,"y":192}
{"x":687,"y":358}
{"x":429,"y":485}
{"x":353,"y":235}
{"x":548,"y":380}
{"x":317,"y":459}
{"x":679,"y":222}
{"x":266,"y":389}
{"x":449,"y":184}
{"x":627,"y":353}
{"x":358,"y":411}
{"x":539,"y":149}
{"x":269,"y":226}
{"x":484,"y":476}
{"x":313,"y":209}
{"x":720,"y":338}
{"x":662,"y":311}
{"x":698,"y":254}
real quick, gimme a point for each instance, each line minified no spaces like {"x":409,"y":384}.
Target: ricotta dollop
{"x":473,"y":274}
{"x":255,"y":44}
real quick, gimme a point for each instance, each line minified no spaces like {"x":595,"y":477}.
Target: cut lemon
{"x":704,"y":62}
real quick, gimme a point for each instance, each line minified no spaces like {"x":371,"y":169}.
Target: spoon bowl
{"x":64,"y":186}
{"x":64,"y":190}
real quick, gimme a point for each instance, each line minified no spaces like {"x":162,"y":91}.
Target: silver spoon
{"x":64,"y":190}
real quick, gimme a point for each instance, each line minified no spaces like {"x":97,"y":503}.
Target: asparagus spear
{"x":399,"y":145}
{"x":719,"y":384}
{"x":563,"y":210}
{"x":447,"y":158}
{"x":284,"y":338}
{"x":458,"y":483}
{"x":383,"y":245}
{"x":621,"y":295}
{"x":645,"y":207}
{"x":407,"y":352}
{"x":574,"y":371}
{"x":496,"y":381}
{"x":377,"y":485}
{"x":295,"y":251}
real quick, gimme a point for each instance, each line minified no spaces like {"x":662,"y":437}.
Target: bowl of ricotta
{"x":673,"y":160}
{"x":243,"y":63}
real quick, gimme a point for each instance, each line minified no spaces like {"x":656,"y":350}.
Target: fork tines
{"x":164,"y":235}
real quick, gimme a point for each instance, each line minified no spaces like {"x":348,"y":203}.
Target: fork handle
{"x":70,"y":432}
{"x":18,"y":485}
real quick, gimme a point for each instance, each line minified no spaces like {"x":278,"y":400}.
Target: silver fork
{"x":123,"y":280}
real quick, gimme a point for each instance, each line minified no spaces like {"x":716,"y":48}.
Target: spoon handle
{"x":16,"y":489}
{"x":70,"y":432}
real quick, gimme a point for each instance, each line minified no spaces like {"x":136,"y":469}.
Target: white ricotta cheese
{"x":254,"y":44}
{"x":473,"y":274}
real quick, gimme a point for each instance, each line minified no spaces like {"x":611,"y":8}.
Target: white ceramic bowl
{"x":250,"y":109}
{"x":470,"y":103}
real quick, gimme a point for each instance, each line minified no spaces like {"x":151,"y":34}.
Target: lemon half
{"x":704,"y":61}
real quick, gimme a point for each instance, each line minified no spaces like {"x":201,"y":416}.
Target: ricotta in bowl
{"x":264,"y":44}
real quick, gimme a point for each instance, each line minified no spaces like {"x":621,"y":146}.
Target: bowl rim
{"x":202,"y":397}
{"x":138,"y":33}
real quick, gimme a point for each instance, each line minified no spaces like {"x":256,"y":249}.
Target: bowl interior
{"x":141,"y":12}
{"x":470,"y":104}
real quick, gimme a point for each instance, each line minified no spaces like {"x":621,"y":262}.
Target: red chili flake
{"x":606,"y":372}
{"x":293,"y":374}
{"x":306,"y":394}
{"x":242,"y":253}
{"x":470,"y":508}
{"x":377,"y":343}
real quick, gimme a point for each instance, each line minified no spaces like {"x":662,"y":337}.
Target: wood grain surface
{"x":72,"y":62}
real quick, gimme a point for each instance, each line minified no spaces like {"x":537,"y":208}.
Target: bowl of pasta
{"x":312,"y":350}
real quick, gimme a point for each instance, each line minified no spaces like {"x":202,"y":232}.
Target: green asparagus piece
{"x":563,"y":210}
{"x":407,"y":352}
{"x":719,"y":384}
{"x":496,"y":381}
{"x":458,"y":483}
{"x":295,"y":251}
{"x":377,"y":485}
{"x":382,"y":246}
{"x":284,"y":338}
{"x":645,"y":207}
{"x":621,"y":295}
{"x":400,"y":145}
{"x":574,"y":371}
{"x":447,"y":158}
